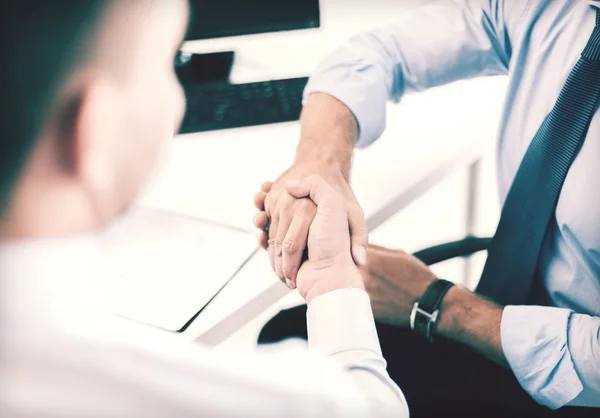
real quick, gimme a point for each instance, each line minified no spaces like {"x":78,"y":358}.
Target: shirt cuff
{"x":360,"y":90}
{"x":341,"y":320}
{"x":534,"y":341}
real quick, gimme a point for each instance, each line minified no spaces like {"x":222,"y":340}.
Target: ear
{"x":95,"y":130}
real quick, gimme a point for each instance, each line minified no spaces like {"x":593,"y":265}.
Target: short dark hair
{"x":40,"y":43}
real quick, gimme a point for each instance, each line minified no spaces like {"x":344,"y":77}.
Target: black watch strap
{"x":425,"y":312}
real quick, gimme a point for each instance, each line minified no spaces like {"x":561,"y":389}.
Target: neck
{"x":48,"y":211}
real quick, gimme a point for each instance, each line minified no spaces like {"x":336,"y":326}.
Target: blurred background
{"x":437,"y":118}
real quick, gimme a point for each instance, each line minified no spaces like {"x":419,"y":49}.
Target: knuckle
{"x":269,"y":202}
{"x":303,"y":203}
{"x":287,"y":199}
{"x":290,"y":246}
{"x":305,"y":206}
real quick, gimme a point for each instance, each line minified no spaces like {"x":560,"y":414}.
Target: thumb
{"x":313,"y":186}
{"x":359,"y":235}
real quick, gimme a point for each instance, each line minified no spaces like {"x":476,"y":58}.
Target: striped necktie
{"x":529,"y":208}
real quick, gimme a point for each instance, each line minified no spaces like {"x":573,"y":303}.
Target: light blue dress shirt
{"x":553,"y":350}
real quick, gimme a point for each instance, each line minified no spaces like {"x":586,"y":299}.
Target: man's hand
{"x":394,"y":281}
{"x":289,"y":219}
{"x":329,"y":265}
{"x":329,"y":132}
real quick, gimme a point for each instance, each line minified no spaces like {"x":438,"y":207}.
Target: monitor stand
{"x":205,"y":68}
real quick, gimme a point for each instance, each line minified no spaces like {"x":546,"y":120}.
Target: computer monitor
{"x":223,"y":18}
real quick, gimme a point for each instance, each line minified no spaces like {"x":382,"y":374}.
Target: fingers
{"x":319,"y":191}
{"x":271,"y":243}
{"x":314,"y":187}
{"x":266,"y":186}
{"x":261,"y":220}
{"x":294,"y":242}
{"x":285,"y":219}
{"x":262,"y":240}
{"x":359,"y":235}
{"x":259,"y":200}
{"x":375,"y":247}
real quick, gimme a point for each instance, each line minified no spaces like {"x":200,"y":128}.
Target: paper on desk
{"x":167,"y":266}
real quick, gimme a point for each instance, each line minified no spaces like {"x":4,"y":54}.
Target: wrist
{"x":335,"y":278}
{"x":451,"y":311}
{"x":322,"y":160}
{"x":332,"y":169}
{"x":329,"y":133}
{"x":460,"y":311}
{"x":474,"y":321}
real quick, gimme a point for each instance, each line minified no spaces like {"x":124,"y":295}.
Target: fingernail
{"x":361,"y":255}
{"x":290,"y":284}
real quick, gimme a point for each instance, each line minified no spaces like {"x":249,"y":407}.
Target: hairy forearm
{"x":329,"y":133}
{"x":473,"y":321}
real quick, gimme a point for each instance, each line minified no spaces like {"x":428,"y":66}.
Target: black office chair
{"x":461,"y":248}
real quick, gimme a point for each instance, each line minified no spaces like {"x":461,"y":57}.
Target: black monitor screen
{"x":220,"y":18}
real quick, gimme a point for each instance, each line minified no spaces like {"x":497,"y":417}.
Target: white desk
{"x":214,"y":175}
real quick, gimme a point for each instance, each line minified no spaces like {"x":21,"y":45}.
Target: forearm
{"x":329,"y":132}
{"x":552,"y":351}
{"x":473,"y":321}
{"x":431,"y":46}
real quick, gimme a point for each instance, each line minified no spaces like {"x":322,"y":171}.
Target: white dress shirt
{"x":62,"y":355}
{"x":553,"y":350}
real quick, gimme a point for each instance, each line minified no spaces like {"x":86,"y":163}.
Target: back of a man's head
{"x":40,"y":41}
{"x":88,"y":95}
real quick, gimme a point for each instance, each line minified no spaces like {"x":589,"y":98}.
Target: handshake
{"x":305,"y":230}
{"x":315,"y":233}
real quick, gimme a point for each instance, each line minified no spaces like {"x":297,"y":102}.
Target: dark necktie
{"x":531,"y":202}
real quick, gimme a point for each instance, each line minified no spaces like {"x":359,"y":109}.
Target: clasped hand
{"x":328,"y":265}
{"x":309,"y":245}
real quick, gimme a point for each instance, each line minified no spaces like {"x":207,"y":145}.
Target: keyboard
{"x":217,"y":106}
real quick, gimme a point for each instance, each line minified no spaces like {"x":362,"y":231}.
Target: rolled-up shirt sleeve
{"x":432,"y":46}
{"x":554,"y":353}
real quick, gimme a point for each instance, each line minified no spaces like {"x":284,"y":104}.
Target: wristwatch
{"x":425,"y":312}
